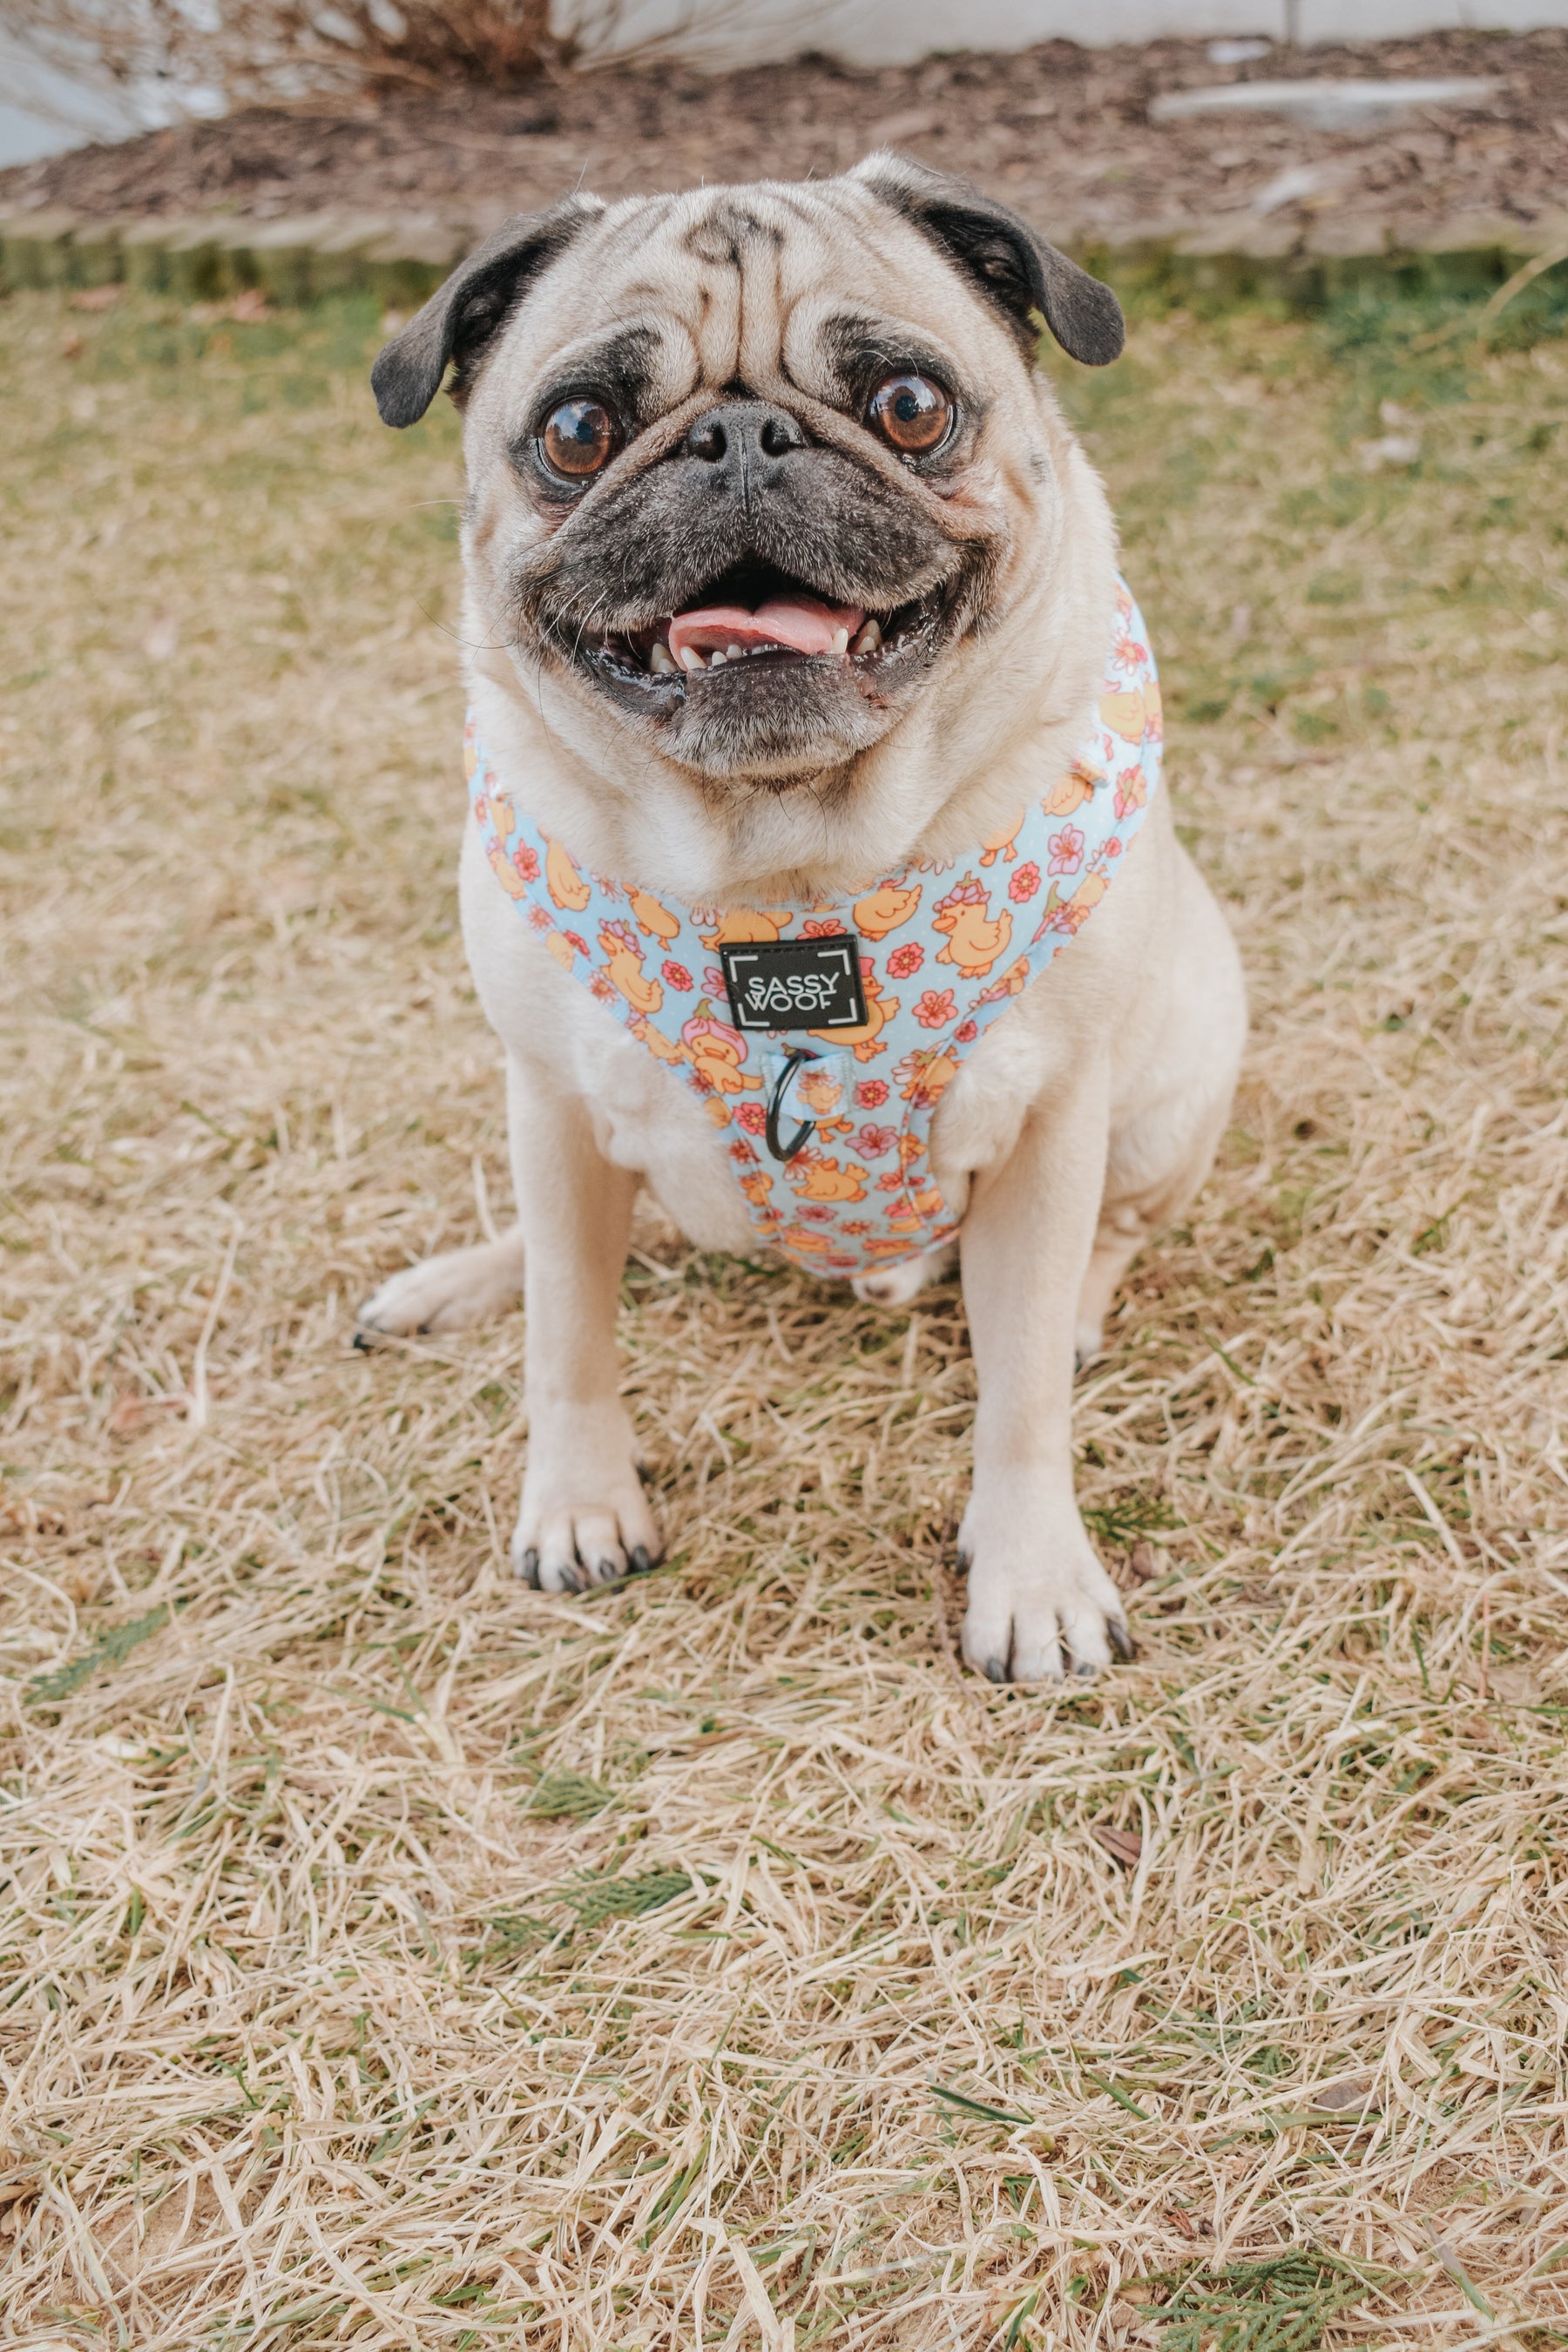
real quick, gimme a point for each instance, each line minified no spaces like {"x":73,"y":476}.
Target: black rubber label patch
{"x":795,"y":983}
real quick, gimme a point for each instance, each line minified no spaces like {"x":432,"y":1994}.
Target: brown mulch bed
{"x":1063,"y":131}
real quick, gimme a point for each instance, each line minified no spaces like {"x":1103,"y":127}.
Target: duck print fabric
{"x":943,"y":949}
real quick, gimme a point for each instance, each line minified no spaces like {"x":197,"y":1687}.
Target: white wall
{"x":896,"y":32}
{"x":45,"y":110}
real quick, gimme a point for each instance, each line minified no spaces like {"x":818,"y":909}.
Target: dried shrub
{"x":176,"y":56}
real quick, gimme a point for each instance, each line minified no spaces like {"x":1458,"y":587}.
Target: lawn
{"x":393,"y":1956}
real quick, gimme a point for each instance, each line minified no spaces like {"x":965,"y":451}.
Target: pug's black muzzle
{"x":745,"y":492}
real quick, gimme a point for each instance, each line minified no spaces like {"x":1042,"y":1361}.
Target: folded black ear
{"x":460,"y":318}
{"x":1016,"y":269}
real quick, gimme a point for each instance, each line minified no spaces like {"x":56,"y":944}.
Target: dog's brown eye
{"x":912,"y":412}
{"x":578,"y":439}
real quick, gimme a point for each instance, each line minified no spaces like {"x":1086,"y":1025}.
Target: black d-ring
{"x":777,"y":1145}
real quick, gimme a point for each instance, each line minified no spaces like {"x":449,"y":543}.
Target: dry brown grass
{"x":395,"y":1956}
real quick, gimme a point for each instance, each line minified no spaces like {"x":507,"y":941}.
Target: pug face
{"x":755,"y":471}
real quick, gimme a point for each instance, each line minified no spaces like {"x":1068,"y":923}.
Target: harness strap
{"x":942,"y":951}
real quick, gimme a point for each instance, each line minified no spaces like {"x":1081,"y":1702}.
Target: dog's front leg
{"x":583,"y":1518}
{"x":1036,"y":1587}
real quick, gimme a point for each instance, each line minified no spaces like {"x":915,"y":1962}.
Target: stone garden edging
{"x":401,"y":261}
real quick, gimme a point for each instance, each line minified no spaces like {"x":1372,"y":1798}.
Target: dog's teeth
{"x":735,"y":652}
{"x":691,"y":659}
{"x":840,"y":641}
{"x":715,"y":658}
{"x":660,"y":660}
{"x":869,"y":639}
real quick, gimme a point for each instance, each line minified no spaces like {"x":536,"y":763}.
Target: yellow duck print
{"x":884,"y":909}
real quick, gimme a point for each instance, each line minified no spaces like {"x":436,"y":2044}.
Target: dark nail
{"x":531,"y":1566}
{"x":640,"y":1562}
{"x":1120,"y":1639}
{"x":995,"y":1671}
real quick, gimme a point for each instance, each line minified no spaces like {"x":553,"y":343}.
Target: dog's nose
{"x":744,"y":441}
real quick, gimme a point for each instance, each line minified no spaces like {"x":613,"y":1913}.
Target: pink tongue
{"x":801,"y":623}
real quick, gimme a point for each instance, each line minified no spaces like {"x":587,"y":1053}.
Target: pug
{"x":787,"y":587}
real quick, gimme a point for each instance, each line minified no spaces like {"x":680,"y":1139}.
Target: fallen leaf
{"x":251,"y":307}
{"x":97,"y":298}
{"x":1122,"y":1845}
{"x":1340,"y":2095}
{"x":1142,"y":1562}
{"x":894,"y":129}
{"x":130,"y":1413}
{"x":1183,"y":2220}
{"x":72,"y":347}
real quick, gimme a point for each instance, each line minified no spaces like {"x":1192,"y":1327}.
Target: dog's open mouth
{"x":756,"y":621}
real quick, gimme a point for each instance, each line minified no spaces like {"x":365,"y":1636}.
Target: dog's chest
{"x":646,"y":1121}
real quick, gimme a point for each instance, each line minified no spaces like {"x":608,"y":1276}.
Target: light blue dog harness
{"x":821,"y":1039}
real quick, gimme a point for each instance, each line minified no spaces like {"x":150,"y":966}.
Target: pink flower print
{"x":872,"y":1142}
{"x":575,"y":940}
{"x":822,"y":928}
{"x":677,"y":976}
{"x":871,"y":1092}
{"x":714,"y":984}
{"x":753,"y":1117}
{"x":905,"y":960}
{"x":966,"y":1032}
{"x":1113,"y":848}
{"x":893,"y":1183}
{"x":1131,"y":792}
{"x":855,"y":1226}
{"x":1024,"y":883}
{"x":819,"y":1216}
{"x":604,"y":990}
{"x":526,"y":861}
{"x":937,"y":1006}
{"x":539,"y":920}
{"x":1067,"y":850}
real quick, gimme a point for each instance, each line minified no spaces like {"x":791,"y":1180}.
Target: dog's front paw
{"x":895,"y":1286}
{"x":449,"y":1293}
{"x":583,"y":1521}
{"x":1040,"y":1602}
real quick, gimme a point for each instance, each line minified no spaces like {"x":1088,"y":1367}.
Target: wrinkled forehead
{"x":752,"y":286}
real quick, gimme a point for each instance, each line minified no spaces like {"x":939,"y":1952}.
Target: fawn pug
{"x":808,"y":721}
